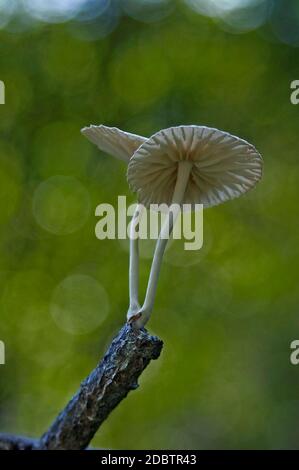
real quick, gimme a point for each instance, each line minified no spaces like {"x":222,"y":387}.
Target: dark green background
{"x":227,"y":313}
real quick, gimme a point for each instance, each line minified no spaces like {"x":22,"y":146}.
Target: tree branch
{"x":109,"y":383}
{"x":10,"y":442}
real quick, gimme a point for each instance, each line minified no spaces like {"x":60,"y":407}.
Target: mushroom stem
{"x":183,"y":174}
{"x":134,"y":306}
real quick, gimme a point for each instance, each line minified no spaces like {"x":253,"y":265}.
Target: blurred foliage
{"x":227,"y":313}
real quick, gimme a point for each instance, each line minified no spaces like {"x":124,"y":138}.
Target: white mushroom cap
{"x":223,"y":166}
{"x":112,"y":140}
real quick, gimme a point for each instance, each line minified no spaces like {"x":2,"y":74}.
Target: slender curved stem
{"x":184,"y":169}
{"x":134,"y":262}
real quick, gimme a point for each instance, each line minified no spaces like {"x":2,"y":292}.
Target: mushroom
{"x":122,"y":145}
{"x":188,"y":165}
{"x":112,"y":140}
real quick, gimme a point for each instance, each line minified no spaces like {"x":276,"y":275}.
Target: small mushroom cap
{"x":224,"y":166}
{"x":112,"y":140}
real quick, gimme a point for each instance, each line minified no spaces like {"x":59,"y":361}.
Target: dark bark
{"x":109,"y":383}
{"x":10,"y":442}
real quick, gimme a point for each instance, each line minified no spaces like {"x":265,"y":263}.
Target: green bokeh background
{"x":227,"y":313}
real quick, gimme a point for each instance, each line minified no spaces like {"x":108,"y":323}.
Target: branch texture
{"x":109,"y":383}
{"x":10,"y":442}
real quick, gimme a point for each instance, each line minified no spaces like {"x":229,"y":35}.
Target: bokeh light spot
{"x":79,"y":64}
{"x":55,"y":11}
{"x":61,"y":205}
{"x":7,"y":9}
{"x":285,"y":21}
{"x":133,"y":79}
{"x":235,"y":15}
{"x":147,"y":11}
{"x":79,"y":304}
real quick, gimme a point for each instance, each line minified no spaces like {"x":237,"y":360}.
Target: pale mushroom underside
{"x":113,"y":141}
{"x":224,"y":166}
